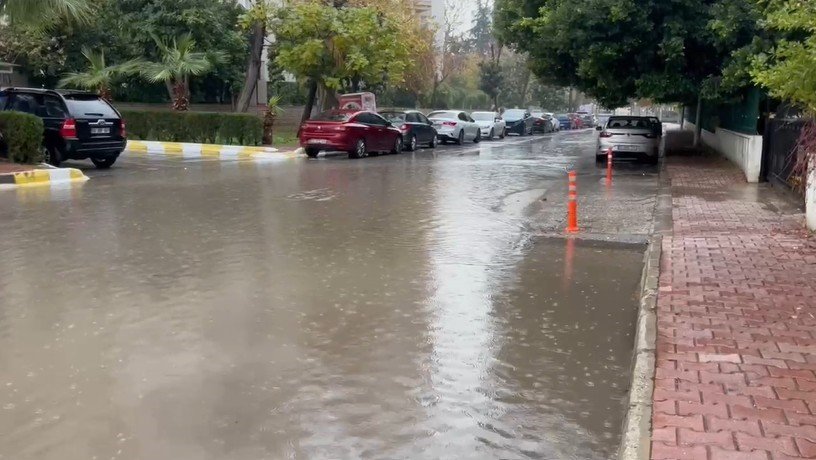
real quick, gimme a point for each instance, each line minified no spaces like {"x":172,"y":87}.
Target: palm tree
{"x":273,"y":109}
{"x":98,"y":76}
{"x":41,"y":12}
{"x":178,"y":63}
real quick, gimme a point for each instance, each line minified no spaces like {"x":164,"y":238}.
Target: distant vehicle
{"x":588,"y":120}
{"x":358,"y":133}
{"x":518,"y":122}
{"x":554,"y":120}
{"x":630,"y":137}
{"x":456,"y":126}
{"x":602,"y":118}
{"x":542,"y":123}
{"x":490,"y":123}
{"x":415,"y":127}
{"x":78,"y":125}
{"x":564,"y":121}
{"x":577,"y":122}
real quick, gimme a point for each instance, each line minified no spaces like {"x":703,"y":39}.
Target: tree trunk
{"x":268,"y":126}
{"x":698,"y":125}
{"x":180,"y":101}
{"x":310,"y":101}
{"x":253,"y":66}
{"x":169,"y":85}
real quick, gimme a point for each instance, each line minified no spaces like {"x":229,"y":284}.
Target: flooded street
{"x":412,"y":306}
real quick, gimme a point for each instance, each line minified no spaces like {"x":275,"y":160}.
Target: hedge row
{"x":22,"y":137}
{"x":198,"y":127}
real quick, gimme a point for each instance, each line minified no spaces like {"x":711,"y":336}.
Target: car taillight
{"x":449,"y":123}
{"x":123,"y":129}
{"x":605,"y":134}
{"x":340,"y":128}
{"x":68,"y":130}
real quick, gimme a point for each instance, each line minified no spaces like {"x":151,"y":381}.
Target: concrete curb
{"x":636,"y":440}
{"x":222,"y":152}
{"x":42,"y":177}
{"x":637,"y":428}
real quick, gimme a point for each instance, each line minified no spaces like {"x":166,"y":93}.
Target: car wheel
{"x":478,"y":137}
{"x":492,"y":134}
{"x":398,"y":146}
{"x":503,"y":134}
{"x":312,"y":153}
{"x":461,"y":139}
{"x":50,"y":155}
{"x":103,"y":163}
{"x":412,"y":144}
{"x":599,"y":157}
{"x":360,"y":150}
{"x":434,"y":142}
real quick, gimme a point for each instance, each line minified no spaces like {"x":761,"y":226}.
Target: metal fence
{"x":780,"y":153}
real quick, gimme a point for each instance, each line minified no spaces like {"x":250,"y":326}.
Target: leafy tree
{"x":617,"y":50}
{"x":98,"y":76}
{"x":44,"y":12}
{"x":490,"y":80}
{"x":788,"y":70}
{"x":321,"y":43}
{"x":179,"y":61}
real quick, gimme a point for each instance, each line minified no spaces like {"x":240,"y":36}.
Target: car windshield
{"x":514,"y":113}
{"x":333,"y":115}
{"x":89,"y":105}
{"x":443,"y":114}
{"x":629,"y":123}
{"x":394,"y":117}
{"x":483,"y":116}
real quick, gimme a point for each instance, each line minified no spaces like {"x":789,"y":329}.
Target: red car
{"x":358,"y":133}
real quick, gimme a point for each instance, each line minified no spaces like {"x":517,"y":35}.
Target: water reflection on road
{"x":396,"y":307}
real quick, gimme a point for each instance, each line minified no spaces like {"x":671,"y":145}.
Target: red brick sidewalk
{"x":736,"y":345}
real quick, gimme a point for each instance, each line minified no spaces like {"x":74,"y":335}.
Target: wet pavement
{"x":415,"y":306}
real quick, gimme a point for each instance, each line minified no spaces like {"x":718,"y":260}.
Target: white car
{"x":455,"y":125}
{"x":490,"y":123}
{"x":556,"y":124}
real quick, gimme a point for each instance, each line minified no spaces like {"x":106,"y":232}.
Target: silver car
{"x":630,"y":137}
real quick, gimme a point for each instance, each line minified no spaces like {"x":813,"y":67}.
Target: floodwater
{"x":393,"y":307}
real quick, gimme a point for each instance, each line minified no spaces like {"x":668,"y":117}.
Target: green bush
{"x":23,"y":136}
{"x":198,"y":127}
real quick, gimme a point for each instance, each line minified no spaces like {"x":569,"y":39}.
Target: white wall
{"x":744,"y":150}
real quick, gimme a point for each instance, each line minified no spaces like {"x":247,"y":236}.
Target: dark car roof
{"x":64,"y":92}
{"x":398,"y":111}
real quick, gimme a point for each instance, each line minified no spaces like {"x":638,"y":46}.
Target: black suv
{"x":78,"y":124}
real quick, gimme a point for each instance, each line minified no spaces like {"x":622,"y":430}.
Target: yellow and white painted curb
{"x":194,"y":151}
{"x":55,"y":177}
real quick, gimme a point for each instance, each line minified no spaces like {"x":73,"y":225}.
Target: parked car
{"x":518,"y":122}
{"x":564,"y":121}
{"x":588,"y":120}
{"x":456,"y":126}
{"x":415,"y":127}
{"x":542,"y":123}
{"x":490,"y":123}
{"x":630,"y":137}
{"x":577,"y":122}
{"x":78,"y":125}
{"x":356,"y":132}
{"x":554,"y":120}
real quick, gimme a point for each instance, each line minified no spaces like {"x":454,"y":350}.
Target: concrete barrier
{"x":53,"y":177}
{"x":744,"y":150}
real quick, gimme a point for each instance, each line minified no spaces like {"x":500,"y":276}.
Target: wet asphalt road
{"x":423,"y":305}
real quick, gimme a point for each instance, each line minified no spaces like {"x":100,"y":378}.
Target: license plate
{"x":318,"y":141}
{"x":626,"y":148}
{"x":100,"y":130}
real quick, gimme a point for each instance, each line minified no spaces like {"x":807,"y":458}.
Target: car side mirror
{"x":599,"y":128}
